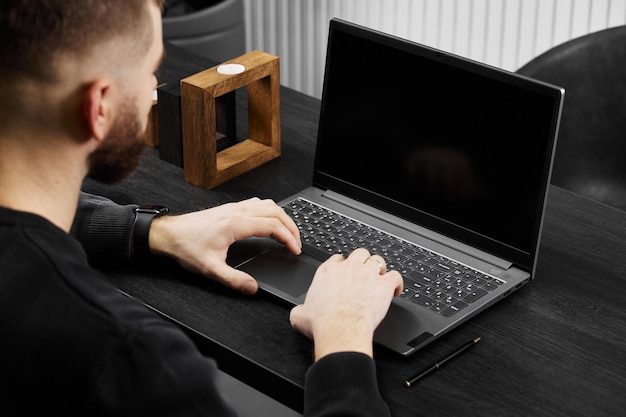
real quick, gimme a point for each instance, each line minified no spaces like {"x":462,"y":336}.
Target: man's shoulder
{"x":45,"y":263}
{"x":32,"y":235}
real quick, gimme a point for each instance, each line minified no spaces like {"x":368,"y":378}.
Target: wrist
{"x":334,"y":339}
{"x":161,"y":238}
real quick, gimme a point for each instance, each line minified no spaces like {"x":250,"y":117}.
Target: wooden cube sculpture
{"x":203,"y":165}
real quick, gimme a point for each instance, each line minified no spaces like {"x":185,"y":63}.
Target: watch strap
{"x":141,"y":228}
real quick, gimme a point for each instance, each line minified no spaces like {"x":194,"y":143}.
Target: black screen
{"x":446,"y":142}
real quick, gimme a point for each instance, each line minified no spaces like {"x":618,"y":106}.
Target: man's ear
{"x":98,"y":108}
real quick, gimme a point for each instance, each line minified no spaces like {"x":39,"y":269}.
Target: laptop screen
{"x":451,"y":144}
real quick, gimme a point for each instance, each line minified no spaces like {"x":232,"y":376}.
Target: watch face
{"x":152,"y":209}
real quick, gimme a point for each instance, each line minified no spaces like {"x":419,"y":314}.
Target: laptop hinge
{"x":422,"y":231}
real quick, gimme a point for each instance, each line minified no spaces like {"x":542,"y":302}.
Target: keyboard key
{"x":458,"y":283}
{"x":454,"y":308}
{"x":437,"y":295}
{"x":449,"y":300}
{"x":442,"y":267}
{"x":457,"y":273}
{"x":421,"y":278}
{"x":479,"y":281}
{"x":448,"y":288}
{"x":394,"y":247}
{"x":427,"y":291}
{"x":489,"y":286}
{"x":474,"y":295}
{"x":439,"y":307}
{"x":423,"y":300}
{"x":407,"y":293}
{"x":458,"y":293}
{"x":439,"y":285}
{"x":417,"y":257}
{"x":416,"y":286}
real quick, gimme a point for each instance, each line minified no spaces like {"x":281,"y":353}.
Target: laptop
{"x":446,"y":161}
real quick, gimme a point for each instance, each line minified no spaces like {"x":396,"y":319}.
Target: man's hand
{"x":199,"y":241}
{"x":347,"y":300}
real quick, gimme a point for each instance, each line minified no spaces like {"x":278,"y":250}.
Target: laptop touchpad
{"x":281,"y":273}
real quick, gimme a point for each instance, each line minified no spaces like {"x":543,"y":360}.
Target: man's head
{"x":81,"y":70}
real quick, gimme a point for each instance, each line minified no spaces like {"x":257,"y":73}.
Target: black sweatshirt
{"x":71,"y":344}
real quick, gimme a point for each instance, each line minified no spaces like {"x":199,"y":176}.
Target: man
{"x":76,"y":81}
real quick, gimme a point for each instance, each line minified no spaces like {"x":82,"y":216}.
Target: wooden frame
{"x":202,"y":164}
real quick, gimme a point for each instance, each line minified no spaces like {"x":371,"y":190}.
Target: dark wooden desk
{"x":557,"y":347}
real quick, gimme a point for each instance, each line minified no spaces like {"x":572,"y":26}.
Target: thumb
{"x":236,"y":279}
{"x":298,"y":320}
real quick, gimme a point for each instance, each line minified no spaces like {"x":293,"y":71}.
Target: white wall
{"x":503,"y":33}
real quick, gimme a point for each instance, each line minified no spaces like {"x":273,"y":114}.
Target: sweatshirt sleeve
{"x":343,"y":384}
{"x":103,"y":227}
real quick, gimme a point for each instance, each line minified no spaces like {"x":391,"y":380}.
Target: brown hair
{"x":34,"y":34}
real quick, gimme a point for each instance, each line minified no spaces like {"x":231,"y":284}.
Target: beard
{"x":119,"y":153}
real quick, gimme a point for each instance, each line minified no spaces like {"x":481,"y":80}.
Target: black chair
{"x":213,"y":28}
{"x":591,"y":150}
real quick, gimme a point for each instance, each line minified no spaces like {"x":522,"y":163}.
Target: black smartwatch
{"x":141,"y":228}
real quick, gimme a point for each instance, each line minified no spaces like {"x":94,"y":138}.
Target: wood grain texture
{"x":203,"y":164}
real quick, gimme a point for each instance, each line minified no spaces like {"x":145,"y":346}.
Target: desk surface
{"x":557,"y":347}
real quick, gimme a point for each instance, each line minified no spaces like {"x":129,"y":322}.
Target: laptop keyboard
{"x":431,"y":280}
